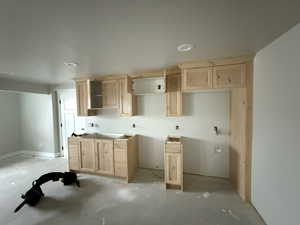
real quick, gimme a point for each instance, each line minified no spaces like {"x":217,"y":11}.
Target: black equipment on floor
{"x":35,"y":193}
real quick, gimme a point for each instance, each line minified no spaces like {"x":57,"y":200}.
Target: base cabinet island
{"x":104,"y":154}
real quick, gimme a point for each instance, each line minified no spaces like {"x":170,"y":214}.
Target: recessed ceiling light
{"x":71,"y":64}
{"x":184,"y":47}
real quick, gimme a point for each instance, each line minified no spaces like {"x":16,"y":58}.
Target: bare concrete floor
{"x":110,"y":201}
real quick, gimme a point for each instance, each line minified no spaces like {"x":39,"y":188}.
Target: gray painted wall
{"x":37,"y":133}
{"x":23,"y":86}
{"x":9,"y":122}
{"x":276,"y":134}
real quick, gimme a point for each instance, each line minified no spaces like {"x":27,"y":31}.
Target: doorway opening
{"x":69,"y":122}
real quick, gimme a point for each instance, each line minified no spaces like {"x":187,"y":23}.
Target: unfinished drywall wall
{"x":202,"y":111}
{"x":9,"y":122}
{"x":276,"y":128}
{"x":37,"y":133}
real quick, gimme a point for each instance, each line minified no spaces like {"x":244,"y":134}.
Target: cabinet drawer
{"x":120,"y":144}
{"x":121,"y":169}
{"x":173,"y":148}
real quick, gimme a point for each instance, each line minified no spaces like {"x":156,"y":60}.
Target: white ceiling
{"x":122,"y":36}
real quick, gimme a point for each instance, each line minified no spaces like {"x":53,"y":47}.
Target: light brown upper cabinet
{"x":83,"y":98}
{"x":229,"y":76}
{"x":127,"y":99}
{"x":93,"y":95}
{"x":173,"y":95}
{"x":196,"y":78}
{"x":110,"y":91}
{"x":104,"y":156}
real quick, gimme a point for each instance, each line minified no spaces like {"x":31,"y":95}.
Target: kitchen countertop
{"x":111,"y":136}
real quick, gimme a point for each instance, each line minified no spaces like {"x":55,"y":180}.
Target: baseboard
{"x":48,"y":155}
{"x":9,"y":155}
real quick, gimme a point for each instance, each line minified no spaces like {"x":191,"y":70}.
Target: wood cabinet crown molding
{"x":100,"y":77}
{"x":216,"y":62}
{"x":155,"y":73}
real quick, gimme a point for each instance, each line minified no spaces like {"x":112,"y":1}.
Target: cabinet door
{"x":73,"y":156}
{"x":196,"y":79}
{"x":95,"y":90}
{"x":104,"y":156}
{"x":83,"y":98}
{"x":230,"y":76}
{"x":120,"y":155}
{"x":110,"y":94}
{"x":120,"y":158}
{"x":173,"y":95}
{"x":173,"y":168}
{"x":121,"y":170}
{"x":87,"y":155}
{"x":127,"y":100}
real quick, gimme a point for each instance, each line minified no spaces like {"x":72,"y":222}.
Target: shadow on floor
{"x":192,"y":183}
{"x":197,"y":183}
{"x":88,"y":187}
{"x":148,"y":176}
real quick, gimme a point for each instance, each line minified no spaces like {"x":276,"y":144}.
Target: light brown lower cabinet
{"x":173,"y":163}
{"x":120,"y":158}
{"x":73,"y":146}
{"x":86,"y":155}
{"x":104,"y":154}
{"x":114,"y":157}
